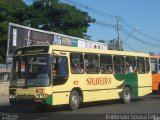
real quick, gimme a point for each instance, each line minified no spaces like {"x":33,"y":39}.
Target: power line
{"x":140,"y":40}
{"x":129,"y":46}
{"x":107,"y":25}
{"x":113,"y":17}
{"x":92,"y":9}
{"x":141,"y":33}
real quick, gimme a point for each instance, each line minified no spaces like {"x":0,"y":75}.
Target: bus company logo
{"x":98,"y":81}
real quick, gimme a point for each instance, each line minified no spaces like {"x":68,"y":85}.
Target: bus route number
{"x":75,"y":82}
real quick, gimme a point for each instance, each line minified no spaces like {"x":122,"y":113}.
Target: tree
{"x":9,"y":11}
{"x":113,"y":44}
{"x":60,"y":17}
{"x":151,"y":53}
{"x":102,"y":41}
{"x":48,"y":15}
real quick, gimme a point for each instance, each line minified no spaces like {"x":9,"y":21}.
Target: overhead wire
{"x":113,"y":17}
{"x":140,"y":40}
{"x":108,"y":25}
{"x":139,"y":32}
{"x":129,"y":46}
{"x":104,"y":14}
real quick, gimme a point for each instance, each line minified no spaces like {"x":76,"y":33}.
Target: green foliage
{"x":48,"y":15}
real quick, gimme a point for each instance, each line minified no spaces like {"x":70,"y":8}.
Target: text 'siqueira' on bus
{"x":58,"y":75}
{"x":155,"y":65}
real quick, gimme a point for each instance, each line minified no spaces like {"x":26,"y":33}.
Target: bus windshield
{"x":31,"y":71}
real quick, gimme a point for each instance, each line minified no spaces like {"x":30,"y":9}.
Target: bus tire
{"x":74,"y":100}
{"x":127,"y":95}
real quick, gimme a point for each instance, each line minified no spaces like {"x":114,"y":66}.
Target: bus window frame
{"x":133,"y":63}
{"x":122,"y":65}
{"x":144,"y":65}
{"x":98,"y":63}
{"x":147,"y":65}
{"x":81,"y":63}
{"x":56,"y":78}
{"x":108,"y":65}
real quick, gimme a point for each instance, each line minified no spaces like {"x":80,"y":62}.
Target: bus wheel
{"x":74,"y":100}
{"x":127,"y":95}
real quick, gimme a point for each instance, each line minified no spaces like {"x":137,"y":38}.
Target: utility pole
{"x":118,"y":33}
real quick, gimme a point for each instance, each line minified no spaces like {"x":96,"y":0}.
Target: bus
{"x":155,"y":66}
{"x":78,"y":75}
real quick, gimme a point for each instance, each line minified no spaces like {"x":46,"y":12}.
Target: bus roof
{"x":88,"y":50}
{"x":92,"y":50}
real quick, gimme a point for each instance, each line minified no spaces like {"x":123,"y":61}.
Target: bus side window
{"x":106,"y":64}
{"x":119,"y":64}
{"x":77,"y":65}
{"x":92,"y":64}
{"x":130,"y":64}
{"x":62,"y":66}
{"x":141,"y":65}
{"x":147,"y":64}
{"x":60,"y":70}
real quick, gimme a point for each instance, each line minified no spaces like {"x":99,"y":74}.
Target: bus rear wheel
{"x":127,"y":95}
{"x":74,"y":100}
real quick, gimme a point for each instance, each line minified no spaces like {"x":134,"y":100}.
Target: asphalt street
{"x":148,"y":106}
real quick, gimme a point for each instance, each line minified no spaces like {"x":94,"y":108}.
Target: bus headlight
{"x":12,"y":96}
{"x":40,"y":96}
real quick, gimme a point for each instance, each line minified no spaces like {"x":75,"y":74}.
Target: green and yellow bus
{"x":79,"y":75}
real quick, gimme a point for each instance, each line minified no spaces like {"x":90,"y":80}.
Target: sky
{"x":139,"y":18}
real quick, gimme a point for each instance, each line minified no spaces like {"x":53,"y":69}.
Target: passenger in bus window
{"x":140,"y":69}
{"x":129,"y":68}
{"x":109,"y":70}
{"x":123,"y":70}
{"x":54,"y":70}
{"x":72,"y":69}
{"x":106,"y":69}
{"x":79,"y":69}
{"x":102,"y":69}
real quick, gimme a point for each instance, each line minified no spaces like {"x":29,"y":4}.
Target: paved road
{"x":147,"y":105}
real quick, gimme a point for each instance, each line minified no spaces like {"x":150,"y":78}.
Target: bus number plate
{"x":39,"y":90}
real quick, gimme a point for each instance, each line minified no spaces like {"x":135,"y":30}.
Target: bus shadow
{"x":93,"y":104}
{"x":108,"y":102}
{"x":154,"y":96}
{"x":65,"y":108}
